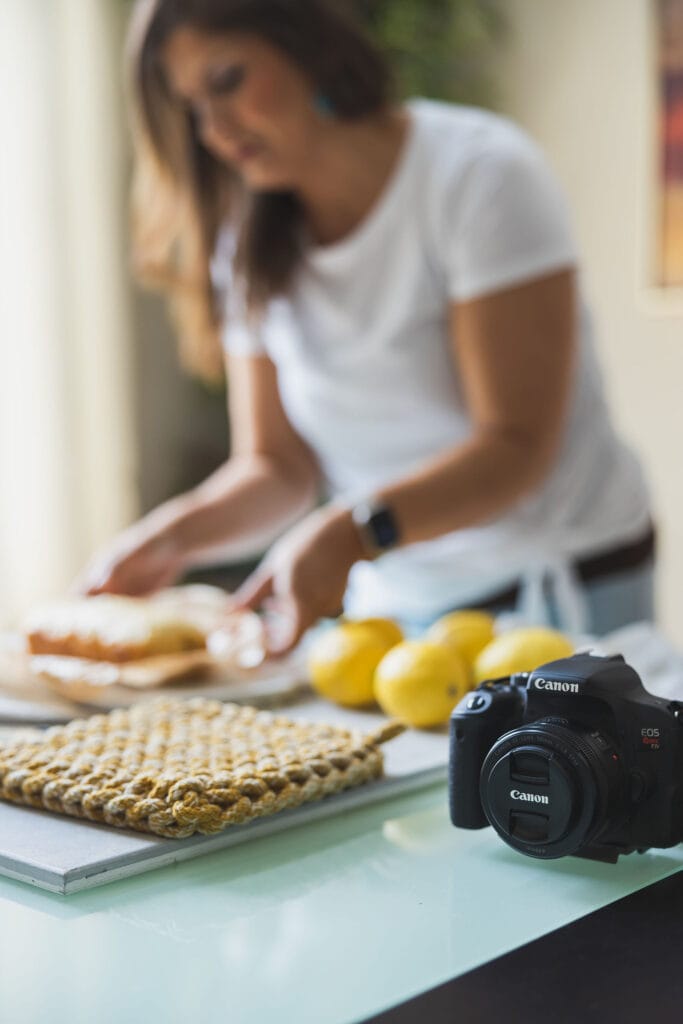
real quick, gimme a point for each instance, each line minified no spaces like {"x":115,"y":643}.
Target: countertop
{"x":326,"y":924}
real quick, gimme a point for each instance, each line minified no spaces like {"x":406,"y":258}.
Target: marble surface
{"x":324,"y":924}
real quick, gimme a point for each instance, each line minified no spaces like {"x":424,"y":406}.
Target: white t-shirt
{"x":367,"y":376}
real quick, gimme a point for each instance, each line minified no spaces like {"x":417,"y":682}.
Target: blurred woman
{"x":397,"y":293}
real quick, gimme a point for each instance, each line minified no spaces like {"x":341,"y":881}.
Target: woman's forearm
{"x":308,"y":569}
{"x":467,"y":486}
{"x":237,"y":510}
{"x":515,"y":353}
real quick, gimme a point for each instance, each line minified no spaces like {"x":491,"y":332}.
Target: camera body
{"x":574,"y":758}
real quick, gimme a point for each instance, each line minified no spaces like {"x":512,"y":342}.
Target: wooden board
{"x":27,"y":698}
{"x":49,"y":688}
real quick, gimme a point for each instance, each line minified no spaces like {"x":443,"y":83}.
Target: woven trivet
{"x":176,"y":767}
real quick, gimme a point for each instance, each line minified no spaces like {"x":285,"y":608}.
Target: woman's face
{"x":253,"y":107}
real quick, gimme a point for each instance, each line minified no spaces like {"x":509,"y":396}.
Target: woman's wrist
{"x":374,"y":524}
{"x":351,"y":538}
{"x":170,"y":532}
{"x":377,"y":526}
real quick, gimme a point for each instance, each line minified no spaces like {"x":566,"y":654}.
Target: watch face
{"x":384,"y":530}
{"x":377,"y":525}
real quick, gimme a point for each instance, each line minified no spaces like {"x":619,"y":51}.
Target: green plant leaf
{"x":438,"y":48}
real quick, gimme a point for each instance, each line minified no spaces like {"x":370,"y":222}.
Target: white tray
{"x":65,"y":855}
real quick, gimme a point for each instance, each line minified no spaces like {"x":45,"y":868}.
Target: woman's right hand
{"x":141,"y":560}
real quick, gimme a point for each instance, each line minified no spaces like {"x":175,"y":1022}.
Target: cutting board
{"x":65,"y":855}
{"x":27,"y":699}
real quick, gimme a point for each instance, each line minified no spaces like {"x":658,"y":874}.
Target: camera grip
{"x":476,"y":723}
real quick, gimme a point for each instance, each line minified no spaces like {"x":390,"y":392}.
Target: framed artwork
{"x":668,"y":270}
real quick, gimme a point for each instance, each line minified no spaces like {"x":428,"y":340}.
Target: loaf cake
{"x":111,"y":628}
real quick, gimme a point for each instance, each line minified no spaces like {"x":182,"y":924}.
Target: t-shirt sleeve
{"x":240,"y":334}
{"x":240,"y":338}
{"x":267,"y":332}
{"x":507,"y":223}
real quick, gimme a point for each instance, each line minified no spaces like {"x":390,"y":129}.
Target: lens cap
{"x":530,"y":795}
{"x":544,"y":788}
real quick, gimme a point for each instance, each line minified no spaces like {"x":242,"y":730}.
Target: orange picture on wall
{"x":670,"y":74}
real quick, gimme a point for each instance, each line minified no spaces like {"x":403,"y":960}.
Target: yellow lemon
{"x":342,"y":663}
{"x":466,"y":631}
{"x":420,"y":682}
{"x":521,"y":650}
{"x":386,"y":628}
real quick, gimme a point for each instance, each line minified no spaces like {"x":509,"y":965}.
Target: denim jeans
{"x":611,"y":602}
{"x":615,"y":601}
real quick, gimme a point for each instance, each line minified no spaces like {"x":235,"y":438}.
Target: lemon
{"x":420,"y":682}
{"x":342,"y":663}
{"x":468,"y":632}
{"x":521,"y":650}
{"x":386,"y":628}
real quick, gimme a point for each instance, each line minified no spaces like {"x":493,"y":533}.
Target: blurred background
{"x":98,"y":421}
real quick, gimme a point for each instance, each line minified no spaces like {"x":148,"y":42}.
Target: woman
{"x":402,"y":325}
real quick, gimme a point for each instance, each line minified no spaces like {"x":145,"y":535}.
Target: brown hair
{"x":182,"y":194}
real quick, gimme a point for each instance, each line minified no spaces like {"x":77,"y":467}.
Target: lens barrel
{"x":548,"y":789}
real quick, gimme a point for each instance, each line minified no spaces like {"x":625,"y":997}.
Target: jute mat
{"x":176,"y":767}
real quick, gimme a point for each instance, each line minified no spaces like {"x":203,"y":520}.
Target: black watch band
{"x":378,"y":527}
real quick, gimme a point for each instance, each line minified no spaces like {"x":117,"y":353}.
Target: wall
{"x":66,"y":446}
{"x":181,"y":426}
{"x":580,"y":77}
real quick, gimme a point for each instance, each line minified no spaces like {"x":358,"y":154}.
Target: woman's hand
{"x":303,"y":577}
{"x":141,"y":560}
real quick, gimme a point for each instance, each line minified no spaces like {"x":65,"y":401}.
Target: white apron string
{"x":554,"y":575}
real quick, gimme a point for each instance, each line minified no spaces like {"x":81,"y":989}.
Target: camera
{"x":574,"y":758}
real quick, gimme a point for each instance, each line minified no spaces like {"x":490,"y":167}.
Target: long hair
{"x":182,"y":194}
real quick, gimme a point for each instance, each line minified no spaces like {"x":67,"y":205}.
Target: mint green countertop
{"x":325,"y":924}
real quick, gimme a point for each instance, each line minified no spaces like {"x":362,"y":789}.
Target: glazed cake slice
{"x":111,"y":628}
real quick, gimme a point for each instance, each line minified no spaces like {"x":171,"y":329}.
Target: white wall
{"x":580,"y":77}
{"x":67,"y":465}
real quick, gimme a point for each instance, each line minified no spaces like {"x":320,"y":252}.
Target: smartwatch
{"x":377,"y":526}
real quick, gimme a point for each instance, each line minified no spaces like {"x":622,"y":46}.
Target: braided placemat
{"x":176,"y":767}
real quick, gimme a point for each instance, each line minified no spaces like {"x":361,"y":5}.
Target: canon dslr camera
{"x":574,"y":758}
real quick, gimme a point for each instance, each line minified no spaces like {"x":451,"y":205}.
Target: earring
{"x":323,"y":105}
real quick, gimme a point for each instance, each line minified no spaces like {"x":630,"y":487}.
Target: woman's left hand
{"x":304,"y":575}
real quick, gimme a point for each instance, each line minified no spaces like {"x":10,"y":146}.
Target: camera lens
{"x":548,"y":788}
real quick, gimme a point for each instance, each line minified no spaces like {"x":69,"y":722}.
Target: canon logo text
{"x":554,"y":684}
{"x":530,"y":798}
